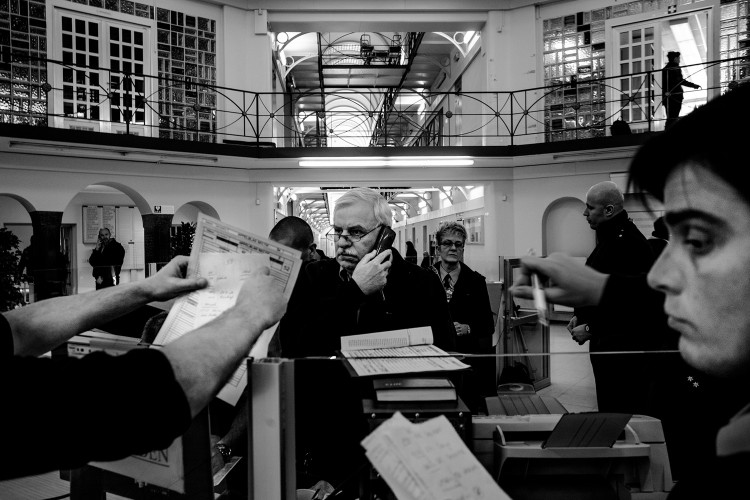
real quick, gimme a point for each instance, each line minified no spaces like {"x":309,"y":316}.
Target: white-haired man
{"x":360,"y":291}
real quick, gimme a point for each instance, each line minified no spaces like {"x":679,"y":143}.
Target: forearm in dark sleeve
{"x":67,"y":412}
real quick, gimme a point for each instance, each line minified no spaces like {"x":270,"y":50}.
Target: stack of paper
{"x":428,"y":461}
{"x":397,"y":351}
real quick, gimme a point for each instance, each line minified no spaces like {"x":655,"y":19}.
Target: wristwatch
{"x":225,"y":450}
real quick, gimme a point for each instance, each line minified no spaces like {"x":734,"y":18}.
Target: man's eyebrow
{"x":674,"y":218}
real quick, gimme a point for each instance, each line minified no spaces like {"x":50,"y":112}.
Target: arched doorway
{"x":565,"y":230}
{"x":116,"y":207}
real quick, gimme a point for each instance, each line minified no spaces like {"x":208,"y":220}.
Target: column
{"x":156,"y":239}
{"x":50,"y":266}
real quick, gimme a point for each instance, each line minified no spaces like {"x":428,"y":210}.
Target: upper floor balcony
{"x":120,"y":99}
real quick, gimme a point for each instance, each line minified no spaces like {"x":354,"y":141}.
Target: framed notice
{"x":96,"y":217}
{"x":474,"y":230}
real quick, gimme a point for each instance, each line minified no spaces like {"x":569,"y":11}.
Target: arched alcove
{"x":119,"y":208}
{"x":565,"y":230}
{"x":190,"y":210}
{"x":15,"y":216}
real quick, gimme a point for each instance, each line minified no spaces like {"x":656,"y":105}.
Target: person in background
{"x":295,"y":233}
{"x":660,"y":236}
{"x":620,"y":247}
{"x":469,"y":305}
{"x":106,"y":260}
{"x":411,"y":253}
{"x":671,"y":85}
{"x":703,"y":275}
{"x":52,"y":427}
{"x":425,"y":261}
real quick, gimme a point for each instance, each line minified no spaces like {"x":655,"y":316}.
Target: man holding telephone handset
{"x":368,"y":287}
{"x":106,"y":259}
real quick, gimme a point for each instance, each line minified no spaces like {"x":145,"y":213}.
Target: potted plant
{"x":181,"y":241}
{"x":10,"y":293}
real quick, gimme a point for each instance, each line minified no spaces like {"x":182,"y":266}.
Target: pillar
{"x":50,"y":266}
{"x":156,"y":237}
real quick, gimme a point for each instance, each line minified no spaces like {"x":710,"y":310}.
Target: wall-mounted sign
{"x":164,"y":209}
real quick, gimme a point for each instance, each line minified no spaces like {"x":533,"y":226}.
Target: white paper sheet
{"x":225,"y":256}
{"x":428,"y":461}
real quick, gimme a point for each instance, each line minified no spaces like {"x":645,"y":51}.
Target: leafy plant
{"x":181,"y":241}
{"x":10,"y":293}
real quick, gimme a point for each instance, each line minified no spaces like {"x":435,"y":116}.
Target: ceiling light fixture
{"x":427,"y":161}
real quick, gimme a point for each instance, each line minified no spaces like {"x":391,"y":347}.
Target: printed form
{"x":225,"y":256}
{"x":397,"y":351}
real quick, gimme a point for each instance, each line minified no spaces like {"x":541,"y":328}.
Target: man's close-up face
{"x":594,"y":212}
{"x":104,"y":235}
{"x":450,"y":253}
{"x":355,"y":219}
{"x":704,"y":270}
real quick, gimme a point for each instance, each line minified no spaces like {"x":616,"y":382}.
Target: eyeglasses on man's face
{"x":351,"y":234}
{"x":447,"y":244}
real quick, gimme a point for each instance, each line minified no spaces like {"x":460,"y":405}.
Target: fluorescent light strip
{"x":387,"y":162}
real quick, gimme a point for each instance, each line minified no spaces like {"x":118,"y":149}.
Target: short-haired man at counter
{"x":702,"y":273}
{"x":358,"y":292}
{"x":63,"y":413}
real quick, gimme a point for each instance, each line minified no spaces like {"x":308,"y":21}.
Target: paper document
{"x":397,"y":351}
{"x":226,"y":256}
{"x":393,"y":338}
{"x":428,"y":461}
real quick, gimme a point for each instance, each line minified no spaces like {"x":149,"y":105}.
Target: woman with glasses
{"x":469,"y":305}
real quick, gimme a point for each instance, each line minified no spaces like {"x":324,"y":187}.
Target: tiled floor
{"x":571,"y":375}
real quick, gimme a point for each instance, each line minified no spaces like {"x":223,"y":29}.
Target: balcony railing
{"x":98,"y":99}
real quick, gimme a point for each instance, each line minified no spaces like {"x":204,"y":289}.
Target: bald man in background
{"x":622,"y":381}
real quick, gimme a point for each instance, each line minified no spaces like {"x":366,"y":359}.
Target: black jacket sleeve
{"x":62,"y":413}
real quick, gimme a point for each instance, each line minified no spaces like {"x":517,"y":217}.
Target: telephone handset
{"x":386,"y":236}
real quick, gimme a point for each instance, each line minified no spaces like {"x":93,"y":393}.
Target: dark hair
{"x":294,"y":230}
{"x":714,"y":136}
{"x":671,"y":55}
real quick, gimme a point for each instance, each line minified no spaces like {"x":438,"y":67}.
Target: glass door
{"x":634,"y":98}
{"x":640,"y":54}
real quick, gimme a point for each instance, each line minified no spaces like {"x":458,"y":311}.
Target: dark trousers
{"x":106,"y":283}
{"x":673,"y":107}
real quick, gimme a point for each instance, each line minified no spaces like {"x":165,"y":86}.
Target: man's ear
{"x":609,"y":210}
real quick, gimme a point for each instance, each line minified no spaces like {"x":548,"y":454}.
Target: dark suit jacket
{"x":323,"y":308}
{"x":620,"y":249}
{"x":470,"y":305}
{"x":328,"y":402}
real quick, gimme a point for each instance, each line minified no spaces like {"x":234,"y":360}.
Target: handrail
{"x":580,"y":108}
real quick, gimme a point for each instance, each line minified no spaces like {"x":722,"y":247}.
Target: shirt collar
{"x":453,"y":274}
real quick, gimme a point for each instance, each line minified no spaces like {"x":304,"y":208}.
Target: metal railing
{"x":158,"y":106}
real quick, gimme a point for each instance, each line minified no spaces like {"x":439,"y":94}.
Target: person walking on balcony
{"x":671,"y":86}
